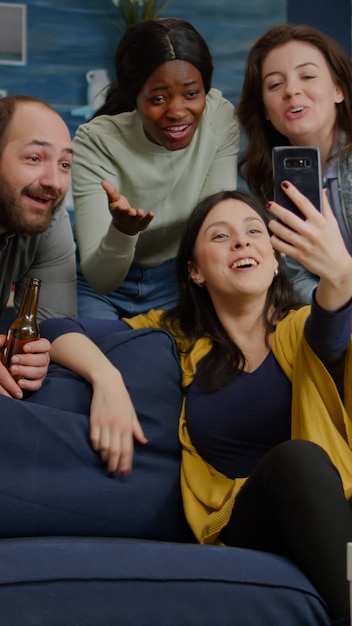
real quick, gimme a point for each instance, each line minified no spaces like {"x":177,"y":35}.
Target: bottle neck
{"x":29,"y":304}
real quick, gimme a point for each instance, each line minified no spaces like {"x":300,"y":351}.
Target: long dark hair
{"x":255,"y":165}
{"x":194,"y":315}
{"x":143,"y":48}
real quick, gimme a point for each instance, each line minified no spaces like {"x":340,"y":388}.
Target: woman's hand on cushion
{"x":114,"y":423}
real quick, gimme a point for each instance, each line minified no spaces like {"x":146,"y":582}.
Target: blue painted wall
{"x":68,"y":37}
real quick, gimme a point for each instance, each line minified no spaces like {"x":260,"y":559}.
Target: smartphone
{"x":302,"y":167}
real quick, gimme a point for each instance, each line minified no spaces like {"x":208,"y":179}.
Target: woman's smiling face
{"x":299,"y":93}
{"x":233,"y":252}
{"x":171,"y":104}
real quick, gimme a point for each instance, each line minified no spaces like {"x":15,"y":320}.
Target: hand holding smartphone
{"x":302,"y":167}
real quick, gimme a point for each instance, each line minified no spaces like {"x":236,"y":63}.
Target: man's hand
{"x":31,"y":367}
{"x":127,"y":220}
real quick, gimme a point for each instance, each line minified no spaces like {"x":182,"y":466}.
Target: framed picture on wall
{"x":13,"y":33}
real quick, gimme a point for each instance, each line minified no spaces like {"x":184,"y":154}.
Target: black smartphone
{"x":302,"y":167}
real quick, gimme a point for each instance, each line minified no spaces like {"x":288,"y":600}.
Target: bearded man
{"x":36,"y":237}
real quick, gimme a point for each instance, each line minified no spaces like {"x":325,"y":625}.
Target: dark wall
{"x":334,"y":18}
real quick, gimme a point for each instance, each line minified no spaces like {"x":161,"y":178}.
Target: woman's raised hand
{"x":315,"y":242}
{"x":127,"y":220}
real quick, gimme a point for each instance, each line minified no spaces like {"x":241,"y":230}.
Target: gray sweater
{"x":49,"y":256}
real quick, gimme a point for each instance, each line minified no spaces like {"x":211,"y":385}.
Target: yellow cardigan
{"x":318,"y":415}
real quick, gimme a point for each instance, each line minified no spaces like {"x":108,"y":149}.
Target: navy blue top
{"x":233,"y":428}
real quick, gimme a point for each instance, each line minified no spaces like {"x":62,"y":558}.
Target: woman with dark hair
{"x":165,"y":39}
{"x":168,"y":140}
{"x":266,"y":422}
{"x":297,"y":90}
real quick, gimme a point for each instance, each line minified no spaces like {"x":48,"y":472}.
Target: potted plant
{"x":132,"y":11}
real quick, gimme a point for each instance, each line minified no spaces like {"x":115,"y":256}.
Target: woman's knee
{"x":298,"y":461}
{"x":298,"y":451}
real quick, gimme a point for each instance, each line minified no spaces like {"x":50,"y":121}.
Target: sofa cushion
{"x":100,"y":582}
{"x":54,"y":483}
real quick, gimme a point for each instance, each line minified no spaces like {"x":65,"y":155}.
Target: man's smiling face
{"x":35,"y":167}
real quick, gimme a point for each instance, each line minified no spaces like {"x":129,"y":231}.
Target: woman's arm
{"x":92,"y":328}
{"x":113,"y":420}
{"x":328,"y":334}
{"x":303,"y":281}
{"x":106,"y":254}
{"x":317,"y":244}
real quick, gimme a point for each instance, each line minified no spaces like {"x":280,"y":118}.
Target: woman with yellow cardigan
{"x":266,"y":423}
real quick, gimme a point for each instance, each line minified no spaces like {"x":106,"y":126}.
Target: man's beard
{"x":15,"y":220}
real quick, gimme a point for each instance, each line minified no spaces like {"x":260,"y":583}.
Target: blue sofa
{"x":81,"y":547}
